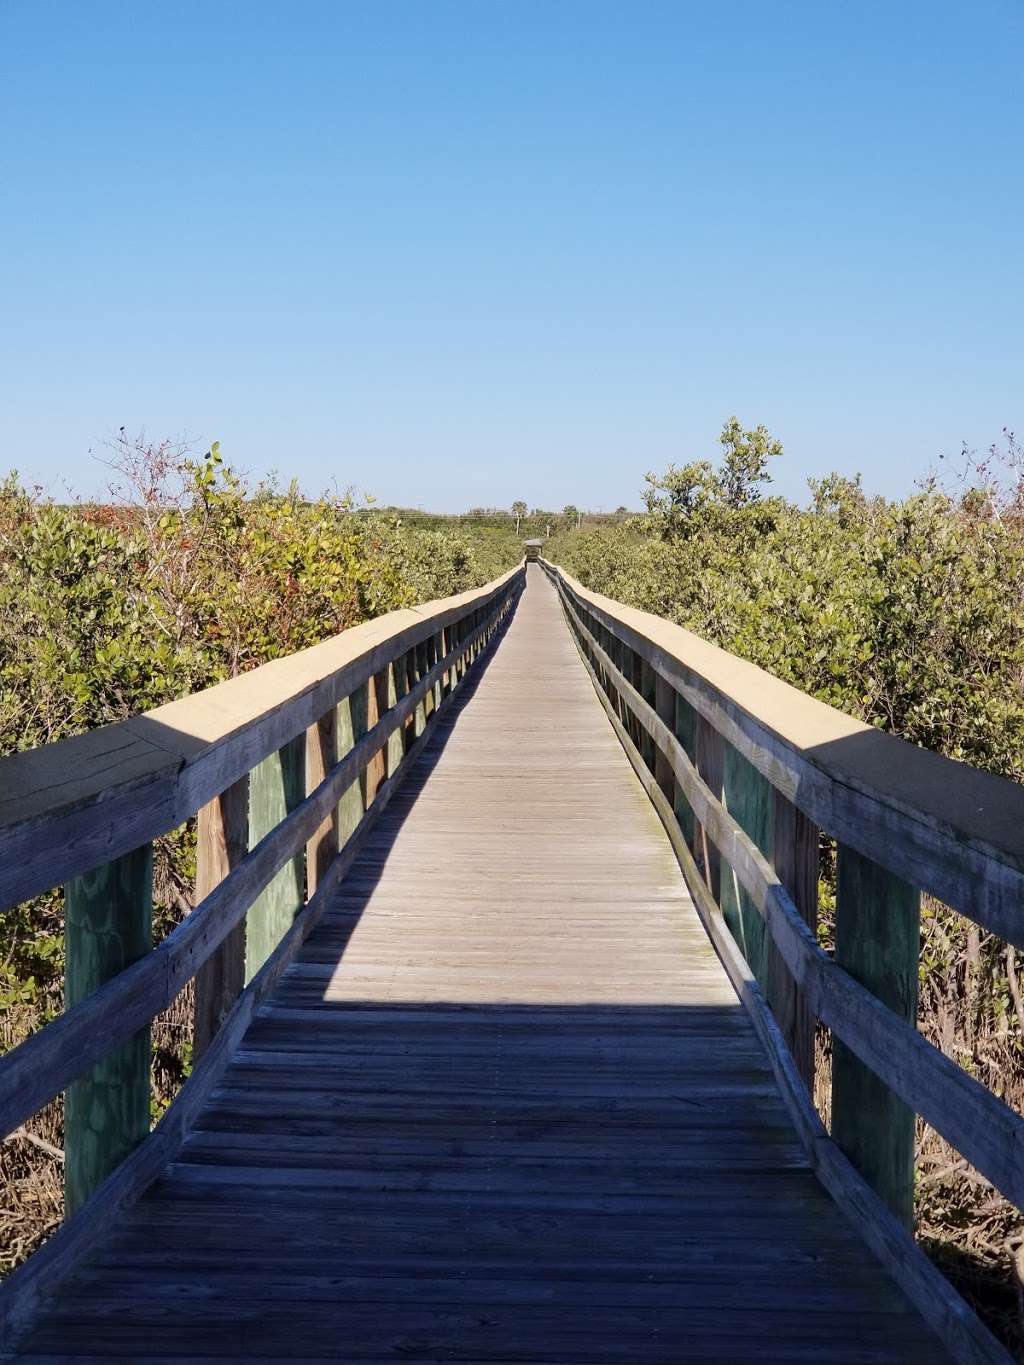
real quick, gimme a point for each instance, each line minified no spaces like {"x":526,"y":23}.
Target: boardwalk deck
{"x":504,"y":1107}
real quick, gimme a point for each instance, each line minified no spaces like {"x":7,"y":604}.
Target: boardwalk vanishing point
{"x":504,"y":1104}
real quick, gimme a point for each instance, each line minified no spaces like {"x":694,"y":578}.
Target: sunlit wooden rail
{"x":496,"y":1066}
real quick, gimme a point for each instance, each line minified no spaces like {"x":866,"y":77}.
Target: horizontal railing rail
{"x":745,"y":771}
{"x":286,"y":768}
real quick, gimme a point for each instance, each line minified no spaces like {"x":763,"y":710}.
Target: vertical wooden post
{"x":440,"y":692}
{"x":222,"y":839}
{"x":709,"y":746}
{"x":276,"y":786}
{"x":406,"y":682}
{"x":461,"y":631}
{"x":631,"y":672}
{"x":108,"y":919}
{"x":395,"y":747}
{"x":795,"y":855}
{"x":749,"y":798}
{"x":665,"y":705}
{"x":610,"y":646}
{"x":376,"y":704}
{"x":454,"y":636}
{"x":622,"y":656}
{"x":351,"y":726}
{"x":321,"y":756}
{"x":471,"y":625}
{"x":426,"y":705}
{"x":634,"y":672}
{"x":447,"y":677}
{"x":686,"y":733}
{"x":647,"y":689}
{"x":878,"y":929}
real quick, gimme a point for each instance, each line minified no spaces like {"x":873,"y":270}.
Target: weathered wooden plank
{"x":665,"y":705}
{"x":709,"y":761}
{"x":395,"y":749}
{"x":376,"y":769}
{"x":685,"y":729}
{"x":351,"y":727}
{"x":878,"y":936}
{"x":795,"y":857}
{"x":108,"y":918}
{"x":277,"y":786}
{"x":321,"y":756}
{"x":222,"y":840}
{"x":749,"y":798}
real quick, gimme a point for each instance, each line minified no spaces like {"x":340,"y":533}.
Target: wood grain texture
{"x":796,"y":860}
{"x":222,"y":840}
{"x":108,"y":925}
{"x":504,"y":1106}
{"x":878,"y":942}
{"x":321,"y":756}
{"x":277,"y":787}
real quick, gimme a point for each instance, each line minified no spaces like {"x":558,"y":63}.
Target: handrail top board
{"x":70,"y":805}
{"x":829,"y":764}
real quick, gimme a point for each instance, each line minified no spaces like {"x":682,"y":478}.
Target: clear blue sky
{"x":459,"y":253}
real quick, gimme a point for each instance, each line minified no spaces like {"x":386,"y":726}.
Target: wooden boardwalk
{"x":504,"y":1107}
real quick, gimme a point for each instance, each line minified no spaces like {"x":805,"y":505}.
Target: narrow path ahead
{"x":505,"y":1107}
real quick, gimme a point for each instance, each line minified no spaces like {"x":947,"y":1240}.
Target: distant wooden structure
{"x":532,"y":549}
{"x":496,"y":1066}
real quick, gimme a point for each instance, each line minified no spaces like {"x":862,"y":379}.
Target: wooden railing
{"x":745,"y":771}
{"x":287,"y":767}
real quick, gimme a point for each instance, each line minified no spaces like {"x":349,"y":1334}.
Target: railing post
{"x":463,"y":631}
{"x":622,"y":657}
{"x":686,"y":733}
{"x":708,"y":745}
{"x":748,"y":798}
{"x":108,"y":919}
{"x":647,"y":687}
{"x":425,"y":707}
{"x":321,"y":756}
{"x":443,"y":645}
{"x":376,"y":704}
{"x":665,"y":705}
{"x":795,"y":856}
{"x":395,"y":745}
{"x":406,"y":681}
{"x":276,"y":786}
{"x":436,"y":654}
{"x":351,"y":726}
{"x":222,"y":838}
{"x":878,"y":927}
